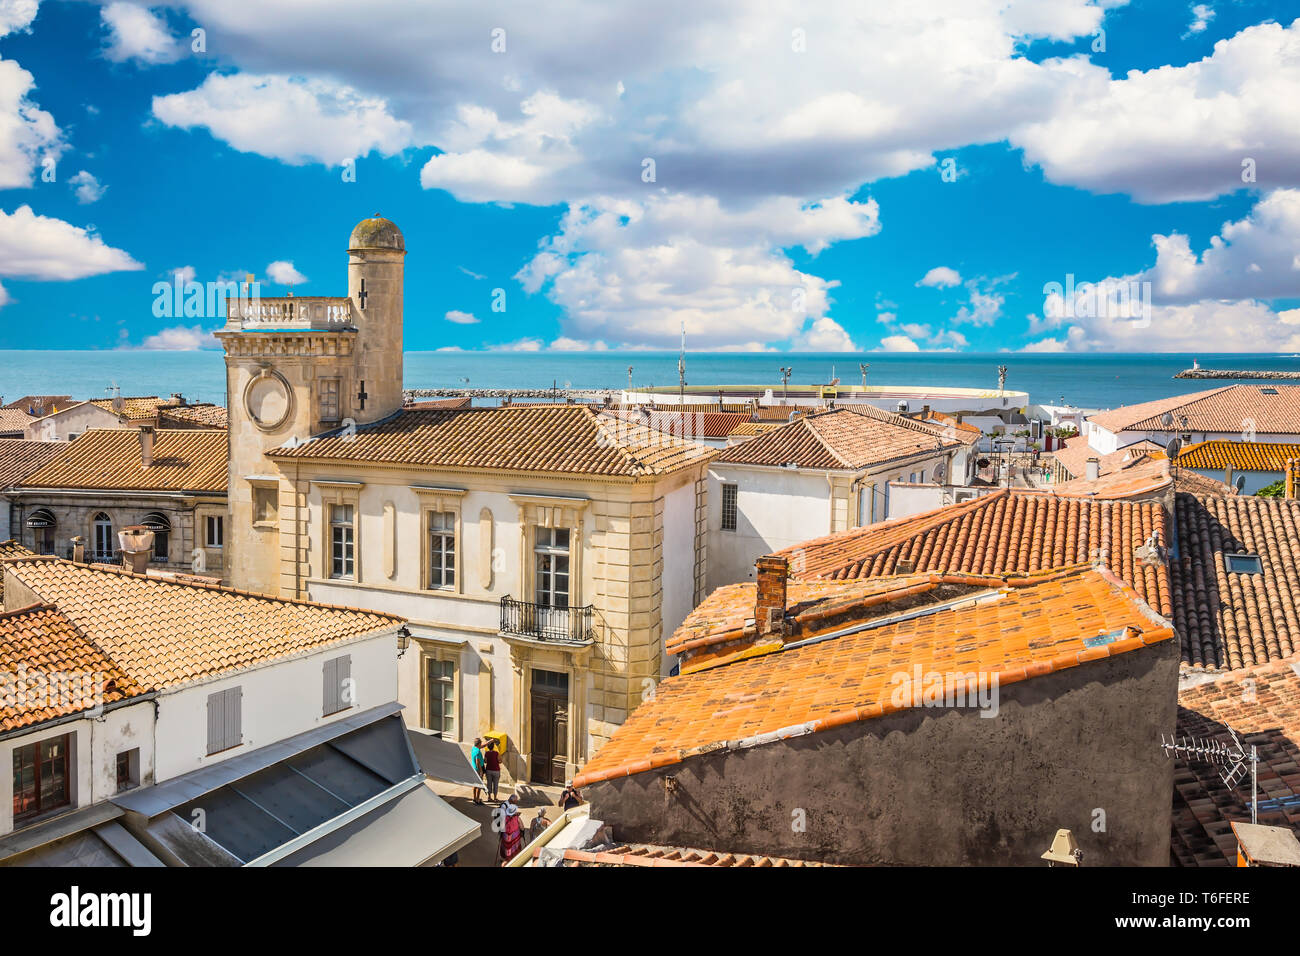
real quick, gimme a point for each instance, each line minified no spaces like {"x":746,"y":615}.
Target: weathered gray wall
{"x":939,"y":787}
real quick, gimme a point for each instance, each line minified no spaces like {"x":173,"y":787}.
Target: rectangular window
{"x":442,"y":549}
{"x":440,"y":695}
{"x":729,"y":493}
{"x":551,"y":554}
{"x":342,"y":542}
{"x":329,"y":399}
{"x":1243,"y":564}
{"x":42,"y":777}
{"x":338,"y":685}
{"x":225,"y":719}
{"x":216,"y":531}
{"x":128,"y":769}
{"x":265,"y":504}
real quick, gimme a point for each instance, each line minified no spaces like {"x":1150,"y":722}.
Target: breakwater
{"x":1238,"y":373}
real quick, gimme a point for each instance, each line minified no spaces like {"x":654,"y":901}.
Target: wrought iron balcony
{"x":566,"y":625}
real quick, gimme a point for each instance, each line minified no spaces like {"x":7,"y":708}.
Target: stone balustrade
{"x":290,"y":312}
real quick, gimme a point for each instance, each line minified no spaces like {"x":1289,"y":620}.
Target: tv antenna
{"x":681,"y":370}
{"x":1230,"y":759}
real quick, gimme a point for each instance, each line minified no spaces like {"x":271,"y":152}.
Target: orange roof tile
{"x":692,"y":425}
{"x":204,"y":415}
{"x":1075,"y":452}
{"x":651,"y":854}
{"x":1262,"y":704}
{"x":1271,"y":409}
{"x":51,"y":670}
{"x":14,"y":420}
{"x":845,"y":438}
{"x":185,"y":459}
{"x":135,"y":408}
{"x":1001,"y":532}
{"x":754,"y":428}
{"x":568,"y":439}
{"x":19,"y":458}
{"x":1234,"y":620}
{"x":40,"y":405}
{"x":1029,"y":628}
{"x":165,"y":634}
{"x":1238,"y":455}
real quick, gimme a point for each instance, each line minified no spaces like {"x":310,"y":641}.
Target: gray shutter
{"x":330,"y":687}
{"x":234,"y":716}
{"x":216,"y":722}
{"x":344,"y":675}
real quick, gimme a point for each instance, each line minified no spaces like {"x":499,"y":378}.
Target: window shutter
{"x":216,"y":722}
{"x":234,"y":721}
{"x":330,"y":687}
{"x":344,"y":674}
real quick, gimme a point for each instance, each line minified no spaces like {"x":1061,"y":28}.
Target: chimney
{"x":146,"y":445}
{"x":1094,"y":469}
{"x":79,"y":549}
{"x":176,"y":400}
{"x":769,"y":605}
{"x":137,"y":547}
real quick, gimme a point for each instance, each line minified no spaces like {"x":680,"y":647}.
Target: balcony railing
{"x":567,"y":625}
{"x":290,"y":312}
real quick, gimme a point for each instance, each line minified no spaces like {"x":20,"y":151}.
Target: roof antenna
{"x":1230,"y":759}
{"x":681,"y":370}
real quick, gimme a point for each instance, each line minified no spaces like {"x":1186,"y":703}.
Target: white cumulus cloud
{"x":136,"y":33}
{"x":86,"y":187}
{"x":940,"y":277}
{"x":461,"y":318}
{"x":282,"y":272}
{"x":40,"y":247}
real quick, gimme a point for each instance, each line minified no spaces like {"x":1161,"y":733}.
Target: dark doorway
{"x":549,"y":715}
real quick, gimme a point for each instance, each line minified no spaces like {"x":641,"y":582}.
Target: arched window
{"x":158,"y":523}
{"x":102,"y":538}
{"x":41,"y":521}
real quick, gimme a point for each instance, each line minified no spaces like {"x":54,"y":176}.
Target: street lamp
{"x":786,"y":372}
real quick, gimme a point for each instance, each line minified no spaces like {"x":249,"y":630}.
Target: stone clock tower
{"x":297,"y":367}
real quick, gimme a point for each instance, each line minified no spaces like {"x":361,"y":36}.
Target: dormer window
{"x":1244,"y":564}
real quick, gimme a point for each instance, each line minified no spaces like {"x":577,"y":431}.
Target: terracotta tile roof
{"x":41,"y":405}
{"x":1076,"y":451}
{"x":9,"y":549}
{"x":840,"y":438}
{"x":1262,"y":704}
{"x":137,"y":408}
{"x":185,"y":459}
{"x":650,"y":854}
{"x":966,"y":432}
{"x":1001,"y":532}
{"x":693,"y":425}
{"x":1238,"y":455}
{"x":463,"y":401}
{"x":1273,"y":409}
{"x":1233,"y":620}
{"x":19,"y":458}
{"x":51,"y":670}
{"x":701,"y":407}
{"x":569,"y":439}
{"x":166,"y":634}
{"x":14,"y":420}
{"x":1030,"y":628}
{"x":1143,"y":480}
{"x":750,"y":429}
{"x":205,"y":415}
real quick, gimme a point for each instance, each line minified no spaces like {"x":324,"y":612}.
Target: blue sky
{"x":908,"y":176}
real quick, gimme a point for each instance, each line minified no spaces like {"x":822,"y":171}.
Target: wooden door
{"x":549,"y":726}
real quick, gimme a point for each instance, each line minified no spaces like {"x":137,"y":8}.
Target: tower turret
{"x":376,"y":250}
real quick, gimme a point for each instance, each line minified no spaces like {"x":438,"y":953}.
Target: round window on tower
{"x":268,"y":400}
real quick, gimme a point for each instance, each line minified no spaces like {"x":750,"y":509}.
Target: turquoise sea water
{"x":1091,"y":381}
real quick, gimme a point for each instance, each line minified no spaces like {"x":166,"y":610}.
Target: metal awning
{"x":41,"y":518}
{"x":90,"y":836}
{"x":327,"y":798}
{"x":444,"y":760}
{"x":415,"y":828}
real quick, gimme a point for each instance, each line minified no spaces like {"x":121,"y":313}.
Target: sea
{"x":1088,"y":381}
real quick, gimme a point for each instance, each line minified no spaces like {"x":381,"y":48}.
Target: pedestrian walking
{"x":512,"y":832}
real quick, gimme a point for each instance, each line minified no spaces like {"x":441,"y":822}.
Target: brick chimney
{"x":769,"y":604}
{"x":79,"y":549}
{"x":146,"y":445}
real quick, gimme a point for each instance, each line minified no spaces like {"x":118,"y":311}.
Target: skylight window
{"x":1244,"y":564}
{"x":1268,"y":391}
